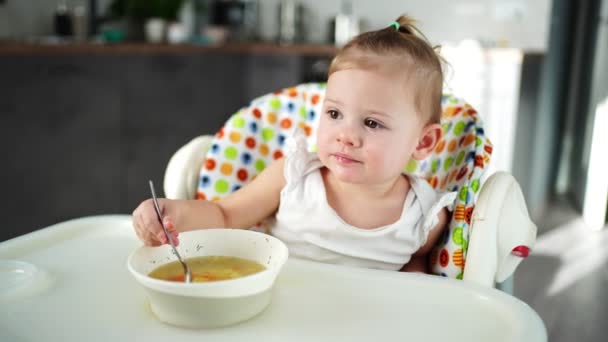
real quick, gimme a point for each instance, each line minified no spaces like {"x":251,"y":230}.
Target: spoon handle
{"x":169,"y":238}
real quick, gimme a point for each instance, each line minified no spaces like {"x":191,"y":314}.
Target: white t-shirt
{"x":313,"y":230}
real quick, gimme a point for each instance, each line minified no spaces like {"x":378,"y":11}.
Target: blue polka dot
{"x":246,"y":158}
{"x":215,"y":148}
{"x":446,"y":236}
{"x":281,"y":139}
{"x":291,"y":107}
{"x":423,"y":166}
{"x":469,"y":125}
{"x":235,"y":188}
{"x":311,"y":115}
{"x":205,"y":181}
{"x":470,"y":156}
{"x":253,"y":127}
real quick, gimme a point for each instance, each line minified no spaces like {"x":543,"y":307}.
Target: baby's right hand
{"x":147,"y":227}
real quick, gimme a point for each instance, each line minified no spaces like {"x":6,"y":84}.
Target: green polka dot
{"x":459,"y":276}
{"x":463,"y":193}
{"x":434,"y":165}
{"x":303,"y":112}
{"x":475,"y":185}
{"x":231,"y":152}
{"x":460,"y":158}
{"x":275,"y":103}
{"x":448,"y":163}
{"x":260,"y":165}
{"x":446,"y":128}
{"x":411,"y":166}
{"x":459,"y":128}
{"x":267,"y":134}
{"x":457,"y":236}
{"x":221,"y":186}
{"x":238,"y":122}
{"x":478,"y":141}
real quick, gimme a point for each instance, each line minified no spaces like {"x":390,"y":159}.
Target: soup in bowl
{"x":233,"y":272}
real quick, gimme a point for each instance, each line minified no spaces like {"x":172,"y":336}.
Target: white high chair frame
{"x":501,"y":232}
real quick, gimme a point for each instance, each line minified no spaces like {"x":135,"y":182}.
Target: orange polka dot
{"x":220,"y":133}
{"x":293,"y":92}
{"x":308,"y":130}
{"x":444,"y":181}
{"x":242,"y":175}
{"x":200,"y":196}
{"x":433,"y":181}
{"x":469,"y":139}
{"x":285,"y":123}
{"x":315,"y":99}
{"x":264,"y":149}
{"x":250,"y":142}
{"x":257,"y":113}
{"x":458,"y":258}
{"x":215,"y":199}
{"x":235,"y":137}
{"x":440,"y":146}
{"x":272,"y":118}
{"x":277,"y":154}
{"x":209,"y":164}
{"x":226,"y":169}
{"x":453,"y":175}
{"x":302,"y":124}
{"x":452,"y":145}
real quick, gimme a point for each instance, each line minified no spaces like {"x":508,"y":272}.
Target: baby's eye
{"x":334,"y":114}
{"x":373,"y":123}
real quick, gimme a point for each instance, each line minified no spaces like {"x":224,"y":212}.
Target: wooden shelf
{"x":142,"y":48}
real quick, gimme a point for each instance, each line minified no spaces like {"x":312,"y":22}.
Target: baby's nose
{"x":349,"y":137}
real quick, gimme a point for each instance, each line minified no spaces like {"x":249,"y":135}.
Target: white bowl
{"x":211,"y":304}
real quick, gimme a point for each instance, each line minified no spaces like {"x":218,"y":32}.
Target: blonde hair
{"x":401,"y":49}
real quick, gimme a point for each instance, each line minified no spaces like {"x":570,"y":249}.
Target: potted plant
{"x":149,"y":16}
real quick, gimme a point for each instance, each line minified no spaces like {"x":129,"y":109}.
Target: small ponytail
{"x":407,"y":25}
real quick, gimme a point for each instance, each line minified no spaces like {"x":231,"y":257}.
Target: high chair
{"x":489,"y":233}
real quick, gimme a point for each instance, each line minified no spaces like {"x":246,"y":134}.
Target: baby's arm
{"x":241,"y":209}
{"x":420,"y":260}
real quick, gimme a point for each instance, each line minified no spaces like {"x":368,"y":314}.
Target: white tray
{"x":83,"y":292}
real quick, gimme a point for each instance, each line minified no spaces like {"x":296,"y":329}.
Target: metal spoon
{"x":188,"y":277}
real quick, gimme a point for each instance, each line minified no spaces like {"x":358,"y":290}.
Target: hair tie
{"x":395,"y":25}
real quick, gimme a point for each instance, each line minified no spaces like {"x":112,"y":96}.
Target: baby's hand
{"x":147,"y":227}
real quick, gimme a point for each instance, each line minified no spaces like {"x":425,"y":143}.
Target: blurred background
{"x":96,"y":96}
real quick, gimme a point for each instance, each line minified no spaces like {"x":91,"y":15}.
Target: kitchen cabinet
{"x":82,"y":131}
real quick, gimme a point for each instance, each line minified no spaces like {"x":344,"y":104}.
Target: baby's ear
{"x":428,"y":140}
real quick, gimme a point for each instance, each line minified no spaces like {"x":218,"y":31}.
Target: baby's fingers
{"x":171,"y":229}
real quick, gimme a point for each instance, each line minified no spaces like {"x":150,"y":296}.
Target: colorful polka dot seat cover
{"x":255,"y":135}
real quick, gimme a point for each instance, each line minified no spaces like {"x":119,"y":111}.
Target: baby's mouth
{"x":344,"y":158}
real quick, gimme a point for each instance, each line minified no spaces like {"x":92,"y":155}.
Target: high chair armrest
{"x":181,"y":175}
{"x":502,"y":233}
